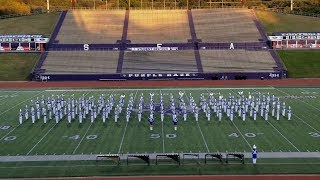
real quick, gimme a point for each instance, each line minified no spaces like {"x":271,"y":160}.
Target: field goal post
{"x":109,"y":157}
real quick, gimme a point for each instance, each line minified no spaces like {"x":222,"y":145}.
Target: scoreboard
{"x":295,"y":40}
{"x":22,"y":42}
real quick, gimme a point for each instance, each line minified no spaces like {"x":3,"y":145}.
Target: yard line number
{"x":5,"y":127}
{"x":248,"y":134}
{"x":77,"y":136}
{"x":157,"y":136}
{"x":314,"y":134}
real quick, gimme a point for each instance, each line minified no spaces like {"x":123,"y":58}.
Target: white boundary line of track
{"x":203,"y":138}
{"x":283,"y":135}
{"x":125,"y":129}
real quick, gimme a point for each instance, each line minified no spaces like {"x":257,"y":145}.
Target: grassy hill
{"x":35,"y":24}
{"x":302,"y":64}
{"x":276,"y":22}
{"x":17,"y":67}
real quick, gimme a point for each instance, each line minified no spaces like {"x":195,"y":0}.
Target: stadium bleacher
{"x":159,"y":61}
{"x":237,"y":61}
{"x":81,"y":62}
{"x":91,"y":27}
{"x":158,"y":26}
{"x":225,"y":25}
{"x":131,"y":36}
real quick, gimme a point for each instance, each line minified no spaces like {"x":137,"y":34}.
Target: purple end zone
{"x":57,"y":28}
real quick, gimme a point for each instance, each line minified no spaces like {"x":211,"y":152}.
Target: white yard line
{"x":125,"y":129}
{"x":8,"y":97}
{"x":20,"y":103}
{"x":300,"y":100}
{"x":150,"y":89}
{"x":162,"y":131}
{"x":74,"y":151}
{"x":239,"y":129}
{"x":203,"y":138}
{"x":298,"y":116}
{"x":14,"y":107}
{"x":84,"y":134}
{"x":283,"y":135}
{"x":41,"y":139}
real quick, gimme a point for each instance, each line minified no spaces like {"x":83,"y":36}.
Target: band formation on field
{"x":213,"y":105}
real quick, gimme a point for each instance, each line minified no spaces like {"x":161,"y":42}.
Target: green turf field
{"x":277,"y":22}
{"x":17,"y":67}
{"x":301,"y":134}
{"x":301,"y":64}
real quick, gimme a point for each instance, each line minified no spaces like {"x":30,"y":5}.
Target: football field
{"x":301,"y":134}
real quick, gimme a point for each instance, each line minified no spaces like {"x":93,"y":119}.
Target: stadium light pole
{"x":48,"y":6}
{"x":291,"y":6}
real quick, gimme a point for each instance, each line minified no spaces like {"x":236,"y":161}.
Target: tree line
{"x":30,"y":6}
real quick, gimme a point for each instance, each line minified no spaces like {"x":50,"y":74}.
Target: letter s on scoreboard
{"x":86,"y":47}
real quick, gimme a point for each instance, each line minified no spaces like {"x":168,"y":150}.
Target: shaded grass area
{"x":35,"y":24}
{"x":301,"y":64}
{"x":93,"y":168}
{"x":276,"y":22}
{"x":17,"y":67}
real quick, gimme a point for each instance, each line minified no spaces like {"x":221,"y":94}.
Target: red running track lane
{"x":181,"y":83}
